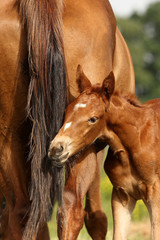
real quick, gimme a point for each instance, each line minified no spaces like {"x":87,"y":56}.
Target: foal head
{"x":85,"y":118}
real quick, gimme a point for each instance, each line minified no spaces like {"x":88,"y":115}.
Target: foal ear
{"x":82,"y":81}
{"x":108,"y":85}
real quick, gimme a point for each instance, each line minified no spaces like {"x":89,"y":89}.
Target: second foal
{"x":132,"y":131}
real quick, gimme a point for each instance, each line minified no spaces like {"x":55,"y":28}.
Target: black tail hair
{"x":47,"y":99}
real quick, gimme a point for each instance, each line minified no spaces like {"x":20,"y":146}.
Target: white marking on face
{"x":79,"y":105}
{"x":67,"y":125}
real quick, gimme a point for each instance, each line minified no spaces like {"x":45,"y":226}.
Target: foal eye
{"x":93,"y":119}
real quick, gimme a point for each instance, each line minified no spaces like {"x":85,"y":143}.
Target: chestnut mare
{"x":132,"y":131}
{"x":41,"y":44}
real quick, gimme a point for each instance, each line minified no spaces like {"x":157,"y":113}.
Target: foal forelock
{"x":47,"y":100}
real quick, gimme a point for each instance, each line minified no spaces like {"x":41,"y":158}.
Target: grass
{"x":140,"y":226}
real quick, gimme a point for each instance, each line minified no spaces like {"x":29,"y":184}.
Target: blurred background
{"x":139,"y":23}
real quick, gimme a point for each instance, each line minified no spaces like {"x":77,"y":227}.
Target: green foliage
{"x":142,"y":34}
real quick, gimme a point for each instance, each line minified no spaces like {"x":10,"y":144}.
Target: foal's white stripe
{"x":67,"y":125}
{"x":79,"y":105}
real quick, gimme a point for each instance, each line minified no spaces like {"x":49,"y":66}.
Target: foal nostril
{"x":56,"y":151}
{"x":60,"y":149}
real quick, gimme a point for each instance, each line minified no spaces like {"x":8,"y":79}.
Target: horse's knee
{"x":96,"y":224}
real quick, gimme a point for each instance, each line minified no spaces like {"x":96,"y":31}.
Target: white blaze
{"x":67,"y":125}
{"x":79,"y":105}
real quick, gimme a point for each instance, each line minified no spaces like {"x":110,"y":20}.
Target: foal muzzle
{"x":58,"y":153}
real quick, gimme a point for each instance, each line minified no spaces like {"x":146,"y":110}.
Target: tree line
{"x":142,"y":34}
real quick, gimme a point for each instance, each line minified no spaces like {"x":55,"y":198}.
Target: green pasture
{"x":140,"y":226}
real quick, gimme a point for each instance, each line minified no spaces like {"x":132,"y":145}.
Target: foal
{"x":133,"y":133}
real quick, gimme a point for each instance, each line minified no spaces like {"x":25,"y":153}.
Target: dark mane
{"x":47,"y":99}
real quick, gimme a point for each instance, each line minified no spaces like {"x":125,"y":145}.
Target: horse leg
{"x":95,"y":218}
{"x":13,"y":182}
{"x":122,"y":207}
{"x":81,"y":176}
{"x":152,"y":204}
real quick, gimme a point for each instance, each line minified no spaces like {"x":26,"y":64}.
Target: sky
{"x":124,"y":8}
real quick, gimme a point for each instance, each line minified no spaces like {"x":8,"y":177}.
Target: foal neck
{"x":124,"y":111}
{"x":123,"y":120}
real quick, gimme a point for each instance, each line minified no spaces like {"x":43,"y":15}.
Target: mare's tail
{"x":47,"y":99}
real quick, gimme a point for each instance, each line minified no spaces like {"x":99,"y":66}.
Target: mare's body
{"x":132,"y":131}
{"x":90,"y":38}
